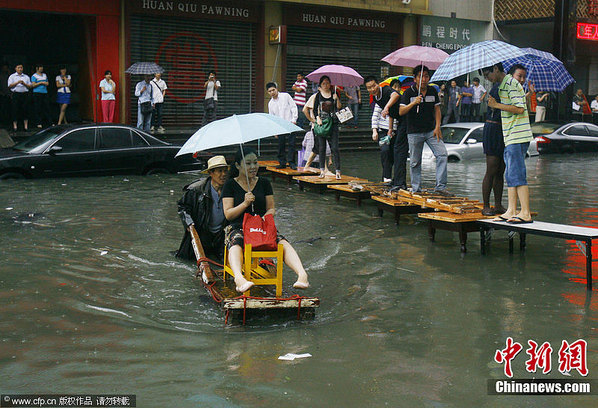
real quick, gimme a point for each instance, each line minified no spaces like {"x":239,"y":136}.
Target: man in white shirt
{"x":282,"y":105}
{"x":159,"y":91}
{"x":211,"y":100}
{"x":145,"y":103}
{"x":19,"y":84}
{"x":479,"y":93}
{"x":594,"y":107}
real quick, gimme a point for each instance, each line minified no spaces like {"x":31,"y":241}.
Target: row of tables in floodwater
{"x":458,"y":214}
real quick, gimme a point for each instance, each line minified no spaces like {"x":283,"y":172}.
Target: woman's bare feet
{"x":243,"y":285}
{"x":302,"y":282}
{"x":322,"y":174}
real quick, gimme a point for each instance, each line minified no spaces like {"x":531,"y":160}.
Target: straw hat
{"x":215,"y":162}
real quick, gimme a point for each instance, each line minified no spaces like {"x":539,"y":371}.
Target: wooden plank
{"x":391,"y":201}
{"x":266,"y":163}
{"x":328,"y":180}
{"x":270,"y":303}
{"x":539,"y":227}
{"x":287,"y":171}
{"x":347,"y":189}
{"x":452,"y":217}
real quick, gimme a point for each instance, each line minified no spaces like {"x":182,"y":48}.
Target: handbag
{"x":325,"y":129}
{"x":146,"y":108}
{"x":344,"y":115}
{"x":260,"y":232}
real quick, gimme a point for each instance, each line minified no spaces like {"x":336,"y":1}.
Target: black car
{"x":566,"y":138}
{"x":92,"y":150}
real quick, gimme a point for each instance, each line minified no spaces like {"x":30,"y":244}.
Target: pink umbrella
{"x":339,"y":75}
{"x":415,"y":55}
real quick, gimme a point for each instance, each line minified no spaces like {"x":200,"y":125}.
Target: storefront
{"x":82,"y":35}
{"x":189,"y":39}
{"x":317,"y":36}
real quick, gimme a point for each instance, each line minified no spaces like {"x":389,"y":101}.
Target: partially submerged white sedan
{"x":463,"y":141}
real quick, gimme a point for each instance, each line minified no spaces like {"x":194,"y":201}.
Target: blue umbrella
{"x":474,"y":57}
{"x":145,"y":68}
{"x":237,"y":129}
{"x":546,"y":74}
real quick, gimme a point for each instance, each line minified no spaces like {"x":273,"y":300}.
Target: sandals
{"x":338,"y":175}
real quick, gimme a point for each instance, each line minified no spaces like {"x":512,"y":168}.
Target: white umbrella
{"x":237,"y":129}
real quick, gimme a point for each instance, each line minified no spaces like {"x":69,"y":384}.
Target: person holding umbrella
{"x":145,"y":103}
{"x":326,"y":104}
{"x":423,"y":126}
{"x":517,"y":135}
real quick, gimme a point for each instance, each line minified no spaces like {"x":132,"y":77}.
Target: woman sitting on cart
{"x":245,"y":192}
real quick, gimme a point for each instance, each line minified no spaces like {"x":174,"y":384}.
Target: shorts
{"x":492,"y":139}
{"x":63,"y":98}
{"x":234,"y":236}
{"x":515,"y":174}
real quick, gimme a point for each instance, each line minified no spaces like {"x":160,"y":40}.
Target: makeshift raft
{"x":261,"y":299}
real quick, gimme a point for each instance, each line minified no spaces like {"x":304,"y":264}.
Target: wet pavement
{"x":93,"y":302}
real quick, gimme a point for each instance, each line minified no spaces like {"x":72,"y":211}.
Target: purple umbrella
{"x":415,"y":55}
{"x":339,"y":75}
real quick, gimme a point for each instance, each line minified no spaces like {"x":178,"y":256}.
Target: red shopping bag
{"x":260,"y":232}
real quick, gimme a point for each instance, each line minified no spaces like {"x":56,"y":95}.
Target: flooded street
{"x":92,"y":301}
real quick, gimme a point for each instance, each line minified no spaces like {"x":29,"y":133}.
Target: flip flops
{"x":500,"y":218}
{"x":519,"y":220}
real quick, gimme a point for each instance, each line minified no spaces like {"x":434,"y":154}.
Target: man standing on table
{"x":282,"y":105}
{"x":387,"y":98}
{"x":421,"y":106}
{"x":517,"y":135}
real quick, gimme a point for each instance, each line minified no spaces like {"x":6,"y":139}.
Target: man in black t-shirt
{"x":421,"y":107}
{"x":387,"y":98}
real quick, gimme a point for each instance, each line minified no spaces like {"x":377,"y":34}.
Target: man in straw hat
{"x":201,"y":207}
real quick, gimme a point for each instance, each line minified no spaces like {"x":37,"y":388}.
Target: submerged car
{"x":566,"y":138}
{"x":92,"y":150}
{"x":463,"y":141}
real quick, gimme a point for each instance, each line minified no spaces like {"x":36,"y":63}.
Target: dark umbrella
{"x":145,"y":68}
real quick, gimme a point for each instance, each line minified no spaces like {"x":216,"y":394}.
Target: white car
{"x":463,"y":141}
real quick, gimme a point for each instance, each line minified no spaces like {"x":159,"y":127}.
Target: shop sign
{"x":238,"y":11}
{"x":450,"y":34}
{"x":587,"y":31}
{"x":342,"y":19}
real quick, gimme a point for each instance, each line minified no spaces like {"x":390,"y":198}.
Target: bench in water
{"x":580,"y":234}
{"x":288,"y":173}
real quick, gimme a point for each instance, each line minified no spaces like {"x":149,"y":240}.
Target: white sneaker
{"x":386,"y":180}
{"x":152,"y":129}
{"x":161,"y":129}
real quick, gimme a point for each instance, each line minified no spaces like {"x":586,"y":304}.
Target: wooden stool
{"x":253,"y":272}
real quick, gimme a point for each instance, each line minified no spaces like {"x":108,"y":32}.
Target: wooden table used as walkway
{"x":580,"y":234}
{"x":321,"y":184}
{"x":461,"y":223}
{"x":347,"y":190}
{"x":288,"y":173}
{"x":396,"y":207}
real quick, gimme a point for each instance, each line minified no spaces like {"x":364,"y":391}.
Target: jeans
{"x":451,"y":109}
{"x":209,"y":115}
{"x":401,"y":152}
{"x":515,"y":173}
{"x":355,"y":110}
{"x":466,"y":112}
{"x":289,"y":155}
{"x":386,"y":154}
{"x":475,"y":112}
{"x":334,"y":148}
{"x":157,"y":116}
{"x":143,"y":121}
{"x":416,"y":146}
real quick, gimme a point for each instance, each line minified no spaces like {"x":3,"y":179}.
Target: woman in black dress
{"x":494,"y":147}
{"x":245,"y":192}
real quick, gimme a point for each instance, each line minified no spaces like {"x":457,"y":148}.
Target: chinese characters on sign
{"x":450,"y":34}
{"x":586,"y":31}
{"x":571,"y":356}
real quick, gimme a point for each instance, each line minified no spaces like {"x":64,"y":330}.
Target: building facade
{"x":191,"y":37}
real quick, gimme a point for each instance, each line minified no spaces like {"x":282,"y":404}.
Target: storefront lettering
{"x":194,"y":8}
{"x":158,"y":5}
{"x":444,"y":46}
{"x":342,"y":21}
